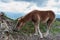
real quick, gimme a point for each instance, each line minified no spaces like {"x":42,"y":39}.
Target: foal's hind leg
{"x":49,"y":23}
{"x":47,"y":32}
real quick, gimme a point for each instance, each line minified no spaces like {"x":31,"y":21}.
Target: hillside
{"x":27,"y":31}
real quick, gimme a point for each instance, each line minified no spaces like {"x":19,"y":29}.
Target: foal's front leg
{"x":37,"y":30}
{"x":40,"y":33}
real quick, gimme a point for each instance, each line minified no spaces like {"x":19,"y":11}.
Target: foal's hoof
{"x":45,"y":36}
{"x":41,"y":37}
{"x":35,"y":34}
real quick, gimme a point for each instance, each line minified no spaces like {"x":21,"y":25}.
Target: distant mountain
{"x":57,"y":15}
{"x":7,"y":18}
{"x":14,"y":15}
{"x":58,"y":19}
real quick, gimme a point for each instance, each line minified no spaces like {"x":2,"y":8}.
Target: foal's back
{"x":43,"y":15}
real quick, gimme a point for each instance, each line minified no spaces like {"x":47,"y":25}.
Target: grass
{"x":55,"y":27}
{"x":57,"y":23}
{"x":29,"y":28}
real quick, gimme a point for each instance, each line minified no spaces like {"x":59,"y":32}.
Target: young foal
{"x":36,"y":17}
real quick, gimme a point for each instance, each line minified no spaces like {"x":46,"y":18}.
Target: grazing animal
{"x":36,"y":17}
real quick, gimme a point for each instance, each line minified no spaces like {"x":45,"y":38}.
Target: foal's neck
{"x":27,"y":18}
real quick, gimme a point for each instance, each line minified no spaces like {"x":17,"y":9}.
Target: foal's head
{"x":20,"y":23}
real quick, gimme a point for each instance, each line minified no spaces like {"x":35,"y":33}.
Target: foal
{"x":36,"y":17}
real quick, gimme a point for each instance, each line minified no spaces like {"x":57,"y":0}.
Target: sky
{"x":17,"y":8}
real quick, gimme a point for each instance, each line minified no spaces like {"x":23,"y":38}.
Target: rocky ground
{"x":35,"y":37}
{"x":19,"y":36}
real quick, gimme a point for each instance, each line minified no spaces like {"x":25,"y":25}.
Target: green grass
{"x":55,"y":27}
{"x":57,"y":23}
{"x":29,"y":28}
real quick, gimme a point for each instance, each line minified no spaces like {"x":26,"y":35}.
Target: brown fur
{"x":36,"y":16}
